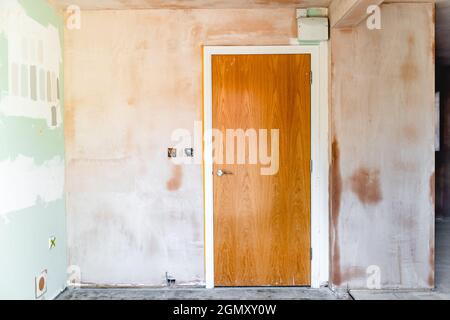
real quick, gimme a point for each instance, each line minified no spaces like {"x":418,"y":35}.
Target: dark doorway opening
{"x":442,"y":175}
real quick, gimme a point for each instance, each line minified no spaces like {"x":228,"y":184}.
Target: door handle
{"x":221,"y":173}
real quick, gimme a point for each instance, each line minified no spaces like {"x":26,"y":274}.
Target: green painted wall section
{"x":31,"y":138}
{"x":25,"y":252}
{"x":40,"y":11}
{"x":24,"y":234}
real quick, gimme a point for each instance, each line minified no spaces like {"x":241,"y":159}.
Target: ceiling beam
{"x":349,"y":13}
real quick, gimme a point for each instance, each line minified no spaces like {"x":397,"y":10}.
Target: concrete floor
{"x":199,"y":294}
{"x":442,"y":291}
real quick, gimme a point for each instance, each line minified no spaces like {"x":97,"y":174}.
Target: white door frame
{"x":319,"y":152}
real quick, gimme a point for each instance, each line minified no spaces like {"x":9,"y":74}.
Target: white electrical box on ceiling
{"x":313,"y":24}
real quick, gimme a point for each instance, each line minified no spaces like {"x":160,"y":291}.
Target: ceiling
{"x":187,"y":4}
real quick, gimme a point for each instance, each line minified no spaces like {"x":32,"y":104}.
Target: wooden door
{"x":262,"y":222}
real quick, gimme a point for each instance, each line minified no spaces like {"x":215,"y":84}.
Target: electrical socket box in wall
{"x":172,"y":152}
{"x":189,"y":152}
{"x":41,"y":284}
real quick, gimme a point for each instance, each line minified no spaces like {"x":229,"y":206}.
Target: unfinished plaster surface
{"x":188,"y":4}
{"x":132,"y":77}
{"x":442,"y":290}
{"x":383,"y":124}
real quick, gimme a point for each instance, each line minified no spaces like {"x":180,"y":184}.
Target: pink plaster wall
{"x":132,"y":77}
{"x":382,"y":171}
{"x":188,"y":4}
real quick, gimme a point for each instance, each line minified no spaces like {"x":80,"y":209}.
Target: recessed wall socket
{"x":189,"y":152}
{"x":172,"y":152}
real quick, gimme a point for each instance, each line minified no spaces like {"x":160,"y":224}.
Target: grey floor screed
{"x":198,"y":294}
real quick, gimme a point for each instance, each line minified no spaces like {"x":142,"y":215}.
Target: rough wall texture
{"x":32,"y":206}
{"x":190,"y":4}
{"x":382,"y":171}
{"x":132,"y":77}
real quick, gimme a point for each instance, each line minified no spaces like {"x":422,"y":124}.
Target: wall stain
{"x":431,"y":276}
{"x":365,"y":183}
{"x":143,"y":45}
{"x":335,"y":192}
{"x":409,"y":70}
{"x":352,"y":273}
{"x":431,"y":258}
{"x":176,"y":180}
{"x":346,"y":30}
{"x":411,"y":133}
{"x":433,"y":51}
{"x":131,"y":102}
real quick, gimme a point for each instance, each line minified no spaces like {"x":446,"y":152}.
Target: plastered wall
{"x":132,"y":77}
{"x":382,"y":168}
{"x":32,"y":205}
